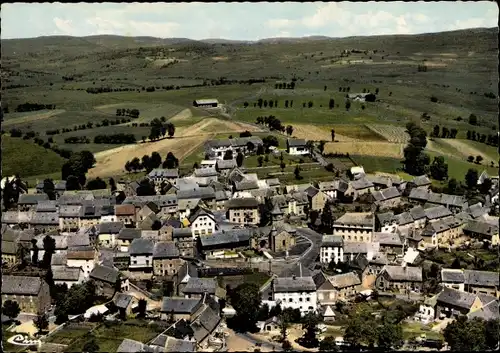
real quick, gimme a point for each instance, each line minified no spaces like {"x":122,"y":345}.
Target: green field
{"x":461,"y":67}
{"x":26,"y":158}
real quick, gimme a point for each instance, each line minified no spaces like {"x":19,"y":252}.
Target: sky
{"x":243,"y":21}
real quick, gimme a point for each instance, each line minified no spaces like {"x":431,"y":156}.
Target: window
{"x":300,"y":299}
{"x":134,"y":262}
{"x":147,"y":262}
{"x":308,"y":299}
{"x":289,"y":300}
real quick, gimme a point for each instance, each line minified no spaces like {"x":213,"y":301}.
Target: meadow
{"x":461,"y":67}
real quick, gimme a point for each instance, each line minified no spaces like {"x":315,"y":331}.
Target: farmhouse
{"x":206,"y":103}
{"x":400,"y":278}
{"x":296,"y":147}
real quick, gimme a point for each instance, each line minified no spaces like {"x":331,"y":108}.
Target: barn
{"x":206,"y":103}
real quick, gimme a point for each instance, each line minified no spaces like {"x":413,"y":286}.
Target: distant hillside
{"x":27,"y":158}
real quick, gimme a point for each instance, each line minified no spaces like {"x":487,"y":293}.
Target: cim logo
{"x":22,"y":340}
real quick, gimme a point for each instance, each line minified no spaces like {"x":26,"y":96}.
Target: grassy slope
{"x":27,"y":158}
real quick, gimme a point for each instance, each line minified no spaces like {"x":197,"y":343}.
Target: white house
{"x":161,"y":175}
{"x":358,"y":172}
{"x":296,"y":293}
{"x":217,"y":149}
{"x":297,"y":147}
{"x":84,"y":259}
{"x":67,"y":275}
{"x":427,"y":310}
{"x":210,"y":164}
{"x":453,"y":278}
{"x":331,"y":249}
{"x":141,"y":255}
{"x":202,"y":222}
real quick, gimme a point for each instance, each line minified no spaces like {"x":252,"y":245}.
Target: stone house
{"x":106,"y":280}
{"x":359,"y":187}
{"x":483,"y":231}
{"x":126,"y":213}
{"x":166,"y":259}
{"x":334,"y":189}
{"x":179,"y":308}
{"x":317,"y":198}
{"x":125,"y":238}
{"x":68,"y":275}
{"x":29,"y":202}
{"x":451,"y":303}
{"x":141,"y":255}
{"x":85,"y":259}
{"x":399,"y":278}
{"x":31,"y":293}
{"x":390,"y":244}
{"x":387,"y":198}
{"x":69,"y":217}
{"x":243,"y":211}
{"x":160,"y":175}
{"x":108,"y":232}
{"x":355,"y":226}
{"x":296,"y":293}
{"x":183,"y":238}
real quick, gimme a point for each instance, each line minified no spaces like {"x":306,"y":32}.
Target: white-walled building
{"x":67,"y":275}
{"x":202,"y":222}
{"x":297,"y":147}
{"x":84,"y":259}
{"x":355,"y":227}
{"x":141,"y":255}
{"x":331,"y":249}
{"x":296,"y":293}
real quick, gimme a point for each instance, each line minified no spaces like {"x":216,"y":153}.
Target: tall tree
{"x":296,"y":172}
{"x":146,"y":188}
{"x":246,"y":300}
{"x":49,"y":189}
{"x":112,"y":184}
{"x":310,"y":326}
{"x":471,"y":178}
{"x":333,"y":135}
{"x":289,"y":130}
{"x":327,"y":218}
{"x":321,"y":146}
{"x":91,"y":346}
{"x":239,"y":159}
{"x":49,"y":247}
{"x":360,"y":330}
{"x":439,"y":168}
{"x":155,"y":160}
{"x":41,"y":322}
{"x":435,"y":131}
{"x":11,"y":309}
{"x":390,"y":336}
{"x":331,"y":103}
{"x":141,"y":308}
{"x":465,"y":335}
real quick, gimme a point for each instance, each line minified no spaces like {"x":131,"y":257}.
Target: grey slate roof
{"x":404,"y":218}
{"x":69,"y":211}
{"x":419,"y":194}
{"x":223,"y":164}
{"x":45,"y":218}
{"x":63,"y":273}
{"x":129,"y":234}
{"x":417,"y":212}
{"x":130,"y":346}
{"x":355,"y":248}
{"x":489,"y":311}
{"x":246,"y":185}
{"x":387,"y":239}
{"x":200,"y":285}
{"x":205,"y":323}
{"x":78,"y":240}
{"x":182,"y":233}
{"x":165,"y":250}
{"x":21,"y":285}
{"x":141,"y":246}
{"x":332,"y":241}
{"x":105,"y":274}
{"x":399,"y":273}
{"x":180,"y":305}
{"x":122,"y":300}
{"x":386,"y":194}
{"x":293,"y":284}
{"x":482,"y":228}
{"x":421,"y":180}
{"x":296,"y":142}
{"x":187,"y":268}
{"x":178,"y":345}
{"x":47,"y":206}
{"x":203,"y":192}
{"x":386,"y":217}
{"x":345,"y":280}
{"x":200,"y":212}
{"x":164,"y":173}
{"x":241,"y":203}
{"x":110,"y":227}
{"x":457,"y":298}
{"x":477,"y":210}
{"x":361,"y":184}
{"x":482,"y":278}
{"x":355,"y":218}
{"x":205,"y":172}
{"x":10,"y":217}
{"x":449,"y":275}
{"x":446,"y":200}
{"x":32,"y":199}
{"x":437,"y":212}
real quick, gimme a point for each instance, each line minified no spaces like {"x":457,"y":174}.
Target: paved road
{"x":273,"y":346}
{"x":308,"y":258}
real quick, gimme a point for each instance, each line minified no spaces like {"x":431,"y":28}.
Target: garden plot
{"x":391,"y":133}
{"x":368,"y":148}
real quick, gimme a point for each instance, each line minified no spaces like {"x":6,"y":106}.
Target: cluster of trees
{"x":31,"y":107}
{"x":439,"y":168}
{"x":491,"y":140}
{"x":271,"y":122}
{"x":11,"y":191}
{"x":45,"y":144}
{"x":149,"y":163}
{"x":77,"y":139}
{"x":490,"y":95}
{"x":415,"y":161}
{"x":472,"y":335}
{"x":75,"y":169}
{"x":308,"y":104}
{"x":285,"y":85}
{"x":344,"y":89}
{"x":263,"y":103}
{"x":120,"y":138}
{"x":445,"y":133}
{"x":160,"y":129}
{"x":74,"y":301}
{"x":133,"y":113}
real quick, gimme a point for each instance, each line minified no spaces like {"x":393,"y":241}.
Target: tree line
{"x":491,"y":140}
{"x":76,"y":139}
{"x":444,"y":132}
{"x":272,"y":123}
{"x":115,"y":139}
{"x":17,"y":133}
{"x":285,"y":85}
{"x":89,"y":125}
{"x":160,"y":129}
{"x":133,"y":113}
{"x":30,"y":107}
